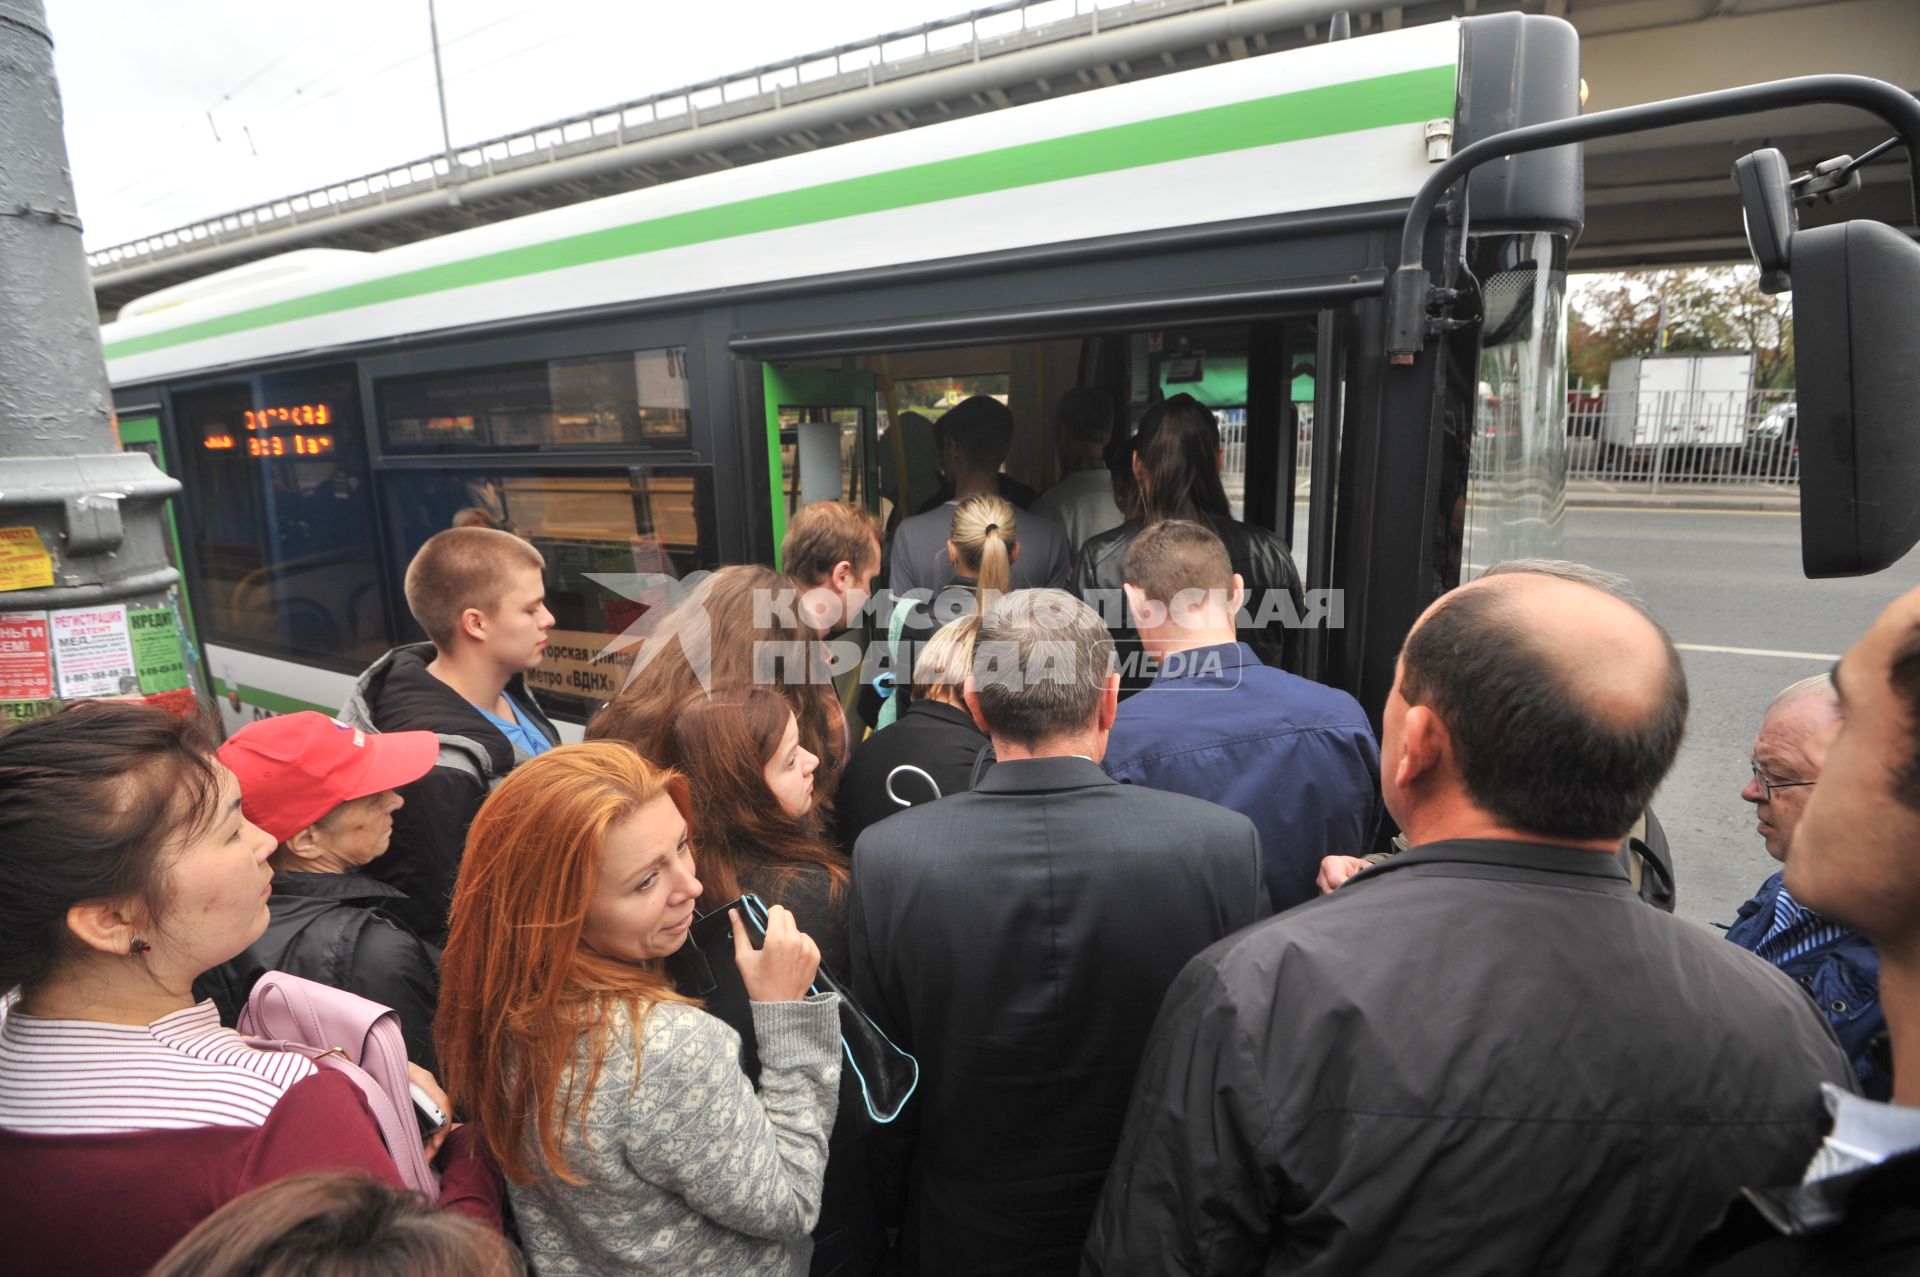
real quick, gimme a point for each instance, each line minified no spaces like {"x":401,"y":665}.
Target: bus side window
{"x":280,"y":517}
{"x":618,"y":542}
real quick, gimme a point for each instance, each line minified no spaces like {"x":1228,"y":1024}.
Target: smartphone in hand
{"x":425,"y":1111}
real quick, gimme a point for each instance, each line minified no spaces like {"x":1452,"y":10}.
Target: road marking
{"x":1758,"y":651}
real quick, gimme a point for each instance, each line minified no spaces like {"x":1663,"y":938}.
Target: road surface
{"x":1728,"y":587}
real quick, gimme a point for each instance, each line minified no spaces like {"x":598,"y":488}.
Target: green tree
{"x":1620,"y":315}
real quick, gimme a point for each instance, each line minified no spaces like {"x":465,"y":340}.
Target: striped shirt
{"x":83,"y":1077}
{"x":1795,"y":930}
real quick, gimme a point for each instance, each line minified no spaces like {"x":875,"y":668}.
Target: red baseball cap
{"x":296,"y":768}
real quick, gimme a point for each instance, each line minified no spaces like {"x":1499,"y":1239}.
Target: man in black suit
{"x":1018,"y":939}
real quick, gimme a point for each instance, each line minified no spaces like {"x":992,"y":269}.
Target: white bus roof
{"x":1336,"y":124}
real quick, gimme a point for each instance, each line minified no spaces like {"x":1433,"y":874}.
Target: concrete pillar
{"x":73,"y":507}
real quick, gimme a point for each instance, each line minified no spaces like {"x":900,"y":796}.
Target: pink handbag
{"x":352,"y":1035}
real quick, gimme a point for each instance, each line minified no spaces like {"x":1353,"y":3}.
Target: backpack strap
{"x":351,"y":1035}
{"x":896,"y":626}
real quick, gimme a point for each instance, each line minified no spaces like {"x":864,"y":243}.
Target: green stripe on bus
{"x":270,"y":700}
{"x":1405,"y":97}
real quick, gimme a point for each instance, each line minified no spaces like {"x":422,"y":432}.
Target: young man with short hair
{"x":832,"y":549}
{"x":1295,"y":757}
{"x":480,"y":595}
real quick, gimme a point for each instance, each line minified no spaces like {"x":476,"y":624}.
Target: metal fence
{"x":1693,"y":436}
{"x":1233,"y":446}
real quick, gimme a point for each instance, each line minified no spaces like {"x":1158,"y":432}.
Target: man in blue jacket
{"x":1835,"y":964}
{"x":1296,"y":758}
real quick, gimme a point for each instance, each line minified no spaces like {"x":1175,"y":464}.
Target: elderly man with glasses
{"x":1837,"y":966}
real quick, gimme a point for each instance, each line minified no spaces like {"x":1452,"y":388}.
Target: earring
{"x":139,"y":947}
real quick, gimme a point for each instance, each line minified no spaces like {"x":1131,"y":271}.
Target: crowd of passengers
{"x":1178,"y":1003}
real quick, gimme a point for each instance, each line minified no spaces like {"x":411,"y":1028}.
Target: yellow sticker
{"x":24,"y":561}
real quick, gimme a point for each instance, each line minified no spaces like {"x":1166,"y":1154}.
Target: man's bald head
{"x":1565,"y":704}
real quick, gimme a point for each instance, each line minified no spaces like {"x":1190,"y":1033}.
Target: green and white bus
{"x":652,"y":381}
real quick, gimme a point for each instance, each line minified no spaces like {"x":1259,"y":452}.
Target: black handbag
{"x":704,"y":968}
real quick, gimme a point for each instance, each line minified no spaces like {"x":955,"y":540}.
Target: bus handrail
{"x":1409,"y":290}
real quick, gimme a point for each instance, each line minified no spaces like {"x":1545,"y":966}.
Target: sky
{"x":177,"y":110}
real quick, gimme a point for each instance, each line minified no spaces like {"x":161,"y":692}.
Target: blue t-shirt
{"x":522,"y":735}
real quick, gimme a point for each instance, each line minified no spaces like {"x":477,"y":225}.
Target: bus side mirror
{"x":1856,"y":334}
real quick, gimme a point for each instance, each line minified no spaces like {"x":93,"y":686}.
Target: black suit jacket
{"x":1018,"y":939}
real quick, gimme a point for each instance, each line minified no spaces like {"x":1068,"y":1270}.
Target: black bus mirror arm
{"x":1835,"y":180}
{"x":1410,"y":289}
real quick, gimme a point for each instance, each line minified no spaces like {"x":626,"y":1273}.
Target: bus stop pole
{"x":87,"y":595}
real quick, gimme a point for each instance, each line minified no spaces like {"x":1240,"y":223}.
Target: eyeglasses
{"x":1769,"y":784}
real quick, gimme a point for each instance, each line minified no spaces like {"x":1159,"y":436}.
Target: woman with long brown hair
{"x":1175,"y":460}
{"x":630,"y":1137}
{"x":759,"y":830}
{"x":756,"y":820}
{"x":740,"y":627}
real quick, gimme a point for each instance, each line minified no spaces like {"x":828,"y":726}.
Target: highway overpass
{"x":1661,"y":198}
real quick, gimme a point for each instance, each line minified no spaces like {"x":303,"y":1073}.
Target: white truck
{"x":1682,"y":412}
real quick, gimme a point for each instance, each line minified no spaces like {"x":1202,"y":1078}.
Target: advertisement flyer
{"x":92,"y":651}
{"x":24,"y":561}
{"x":156,"y":649}
{"x":26,"y":660}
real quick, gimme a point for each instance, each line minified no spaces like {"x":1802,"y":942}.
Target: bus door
{"x":1279,"y":422}
{"x":821,"y":439}
{"x":142,"y":434}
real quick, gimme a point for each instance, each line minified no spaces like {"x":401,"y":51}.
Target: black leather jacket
{"x":1258,"y":555}
{"x":335,"y":929}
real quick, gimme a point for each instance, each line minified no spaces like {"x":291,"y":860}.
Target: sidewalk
{"x":1670,"y":494}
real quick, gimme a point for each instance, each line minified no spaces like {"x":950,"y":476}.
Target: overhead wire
{"x":281,"y":109}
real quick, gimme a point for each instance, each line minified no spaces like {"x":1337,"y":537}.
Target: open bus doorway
{"x":1259,"y":380}
{"x":874,"y":418}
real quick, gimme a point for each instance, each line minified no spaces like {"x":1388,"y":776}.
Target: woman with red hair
{"x":630,"y":1138}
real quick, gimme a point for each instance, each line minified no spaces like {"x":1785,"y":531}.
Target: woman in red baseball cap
{"x":325,"y":792}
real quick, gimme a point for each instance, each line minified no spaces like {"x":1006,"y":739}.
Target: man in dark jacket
{"x":480,"y":595}
{"x":1018,"y":938}
{"x":1856,"y":1207}
{"x":1295,"y":757}
{"x":1486,"y":1054}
